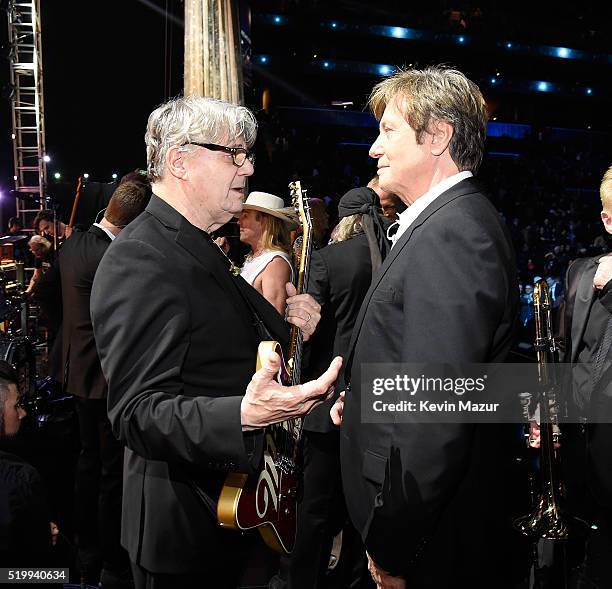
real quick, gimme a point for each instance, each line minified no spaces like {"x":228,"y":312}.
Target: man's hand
{"x":336,"y":411}
{"x":383,"y":579}
{"x":603,"y":275}
{"x":302,"y":310}
{"x":267,"y":402}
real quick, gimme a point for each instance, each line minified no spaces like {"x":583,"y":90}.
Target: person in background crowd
{"x":587,"y":439}
{"x":26,"y":535}
{"x":340,"y":276}
{"x":391,"y":204}
{"x":100,"y":464}
{"x":264,"y":227}
{"x":41,"y":249}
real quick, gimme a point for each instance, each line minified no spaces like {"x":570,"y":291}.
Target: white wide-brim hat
{"x":270,"y":204}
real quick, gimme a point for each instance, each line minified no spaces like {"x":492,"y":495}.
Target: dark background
{"x":108,"y":64}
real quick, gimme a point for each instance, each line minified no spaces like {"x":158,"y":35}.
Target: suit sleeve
{"x":455,"y":293}
{"x":141,"y":323}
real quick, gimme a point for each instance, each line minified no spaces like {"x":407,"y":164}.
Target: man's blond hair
{"x":438,"y":93}
{"x":605,"y":191}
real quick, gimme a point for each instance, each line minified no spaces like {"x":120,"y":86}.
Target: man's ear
{"x":175,"y":162}
{"x":441,"y":134}
{"x":607,"y":220}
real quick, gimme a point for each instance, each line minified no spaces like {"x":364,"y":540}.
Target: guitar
{"x":267,"y":499}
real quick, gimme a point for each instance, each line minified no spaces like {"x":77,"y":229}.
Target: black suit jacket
{"x":178,"y":347}
{"x":590,"y":478}
{"x":426,"y":497}
{"x":340,"y":275}
{"x":78,"y":261}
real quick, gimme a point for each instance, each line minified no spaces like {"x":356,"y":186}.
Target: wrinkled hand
{"x":603,"y":274}
{"x":337,"y":409}
{"x":267,"y":402}
{"x":303,"y":311}
{"x":383,"y":579}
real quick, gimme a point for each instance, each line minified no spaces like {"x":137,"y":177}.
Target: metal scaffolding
{"x":27,"y":107}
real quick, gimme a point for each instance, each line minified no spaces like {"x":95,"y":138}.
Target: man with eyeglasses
{"x":177,"y":334}
{"x":100,"y":463}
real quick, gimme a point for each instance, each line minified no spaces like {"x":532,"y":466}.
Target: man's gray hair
{"x":194,"y":118}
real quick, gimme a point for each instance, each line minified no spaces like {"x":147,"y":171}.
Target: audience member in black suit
{"x":424,"y":496}
{"x":340,"y":275}
{"x":100,"y":464}
{"x":178,"y":344}
{"x":587,"y":444}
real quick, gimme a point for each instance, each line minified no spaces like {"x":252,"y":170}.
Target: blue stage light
{"x":385,"y":70}
{"x":461,"y":39}
{"x":334,"y":25}
{"x":326,"y":64}
{"x":399,"y":32}
{"x":493,"y":80}
{"x":278,"y":20}
{"x":263,"y":59}
{"x":563,"y":52}
{"x":542,"y":86}
{"x":508,"y":45}
{"x":589,"y":91}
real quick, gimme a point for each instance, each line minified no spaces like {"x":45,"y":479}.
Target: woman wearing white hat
{"x":265,"y":226}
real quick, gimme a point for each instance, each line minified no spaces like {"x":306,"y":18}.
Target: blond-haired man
{"x":587,"y":443}
{"x":421,"y":494}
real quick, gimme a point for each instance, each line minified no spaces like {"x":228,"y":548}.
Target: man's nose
{"x":376,"y":149}
{"x":247,"y":168}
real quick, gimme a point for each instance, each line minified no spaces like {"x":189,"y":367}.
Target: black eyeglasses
{"x":239,"y":154}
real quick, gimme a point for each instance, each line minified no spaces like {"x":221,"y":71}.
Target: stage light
{"x":15,"y":178}
{"x":277,"y":19}
{"x":263,"y":59}
{"x":563,"y":52}
{"x":1,"y":194}
{"x":13,"y":136}
{"x":508,"y":45}
{"x":115,"y":175}
{"x":589,"y":91}
{"x":326,"y":64}
{"x":461,"y":39}
{"x":399,"y":32}
{"x":57,"y":175}
{"x":493,"y":80}
{"x":385,"y":70}
{"x":86,"y":176}
{"x":334,"y":25}
{"x":542,"y":86}
{"x":46,"y":158}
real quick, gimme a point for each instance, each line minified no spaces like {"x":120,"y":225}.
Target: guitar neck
{"x":296,"y":337}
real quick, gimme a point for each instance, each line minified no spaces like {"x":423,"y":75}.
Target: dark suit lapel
{"x":462,"y":188}
{"x":582,"y":307}
{"x":202,"y":250}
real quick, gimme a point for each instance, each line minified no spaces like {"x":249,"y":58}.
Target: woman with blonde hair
{"x":265,"y":225}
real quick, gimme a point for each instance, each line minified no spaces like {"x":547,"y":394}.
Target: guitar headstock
{"x":301,"y":204}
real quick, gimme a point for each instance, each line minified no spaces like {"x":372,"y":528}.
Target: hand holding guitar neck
{"x":302,"y":311}
{"x":267,"y":402}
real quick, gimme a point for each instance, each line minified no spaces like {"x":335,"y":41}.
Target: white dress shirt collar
{"x":106,"y":230}
{"x":409,"y":216}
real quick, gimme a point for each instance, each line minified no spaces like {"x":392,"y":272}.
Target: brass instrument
{"x":547,"y":519}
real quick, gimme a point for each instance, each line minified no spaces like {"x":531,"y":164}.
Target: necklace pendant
{"x":235,"y":270}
